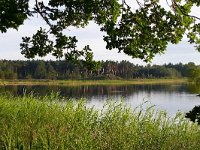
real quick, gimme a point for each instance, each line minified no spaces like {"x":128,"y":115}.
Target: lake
{"x":169,"y":97}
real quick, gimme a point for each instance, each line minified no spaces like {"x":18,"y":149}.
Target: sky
{"x":91,"y":35}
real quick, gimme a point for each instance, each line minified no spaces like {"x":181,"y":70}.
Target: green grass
{"x":92,"y":82}
{"x":30,"y":122}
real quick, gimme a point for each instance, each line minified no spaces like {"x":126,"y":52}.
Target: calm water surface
{"x":172,"y":98}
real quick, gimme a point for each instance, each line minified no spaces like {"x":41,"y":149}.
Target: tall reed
{"x":49,"y":122}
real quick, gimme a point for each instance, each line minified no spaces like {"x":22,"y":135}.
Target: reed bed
{"x":51,"y":123}
{"x":93,"y":82}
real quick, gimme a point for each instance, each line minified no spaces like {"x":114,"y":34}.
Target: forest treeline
{"x":39,"y":69}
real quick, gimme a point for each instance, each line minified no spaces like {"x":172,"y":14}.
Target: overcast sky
{"x":183,"y":52}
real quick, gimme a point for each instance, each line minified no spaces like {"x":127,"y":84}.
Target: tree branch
{"x":140,"y":4}
{"x":41,"y":14}
{"x":182,"y":11}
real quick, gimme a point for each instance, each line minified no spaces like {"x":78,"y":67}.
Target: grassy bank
{"x":91,"y":82}
{"x":41,"y":123}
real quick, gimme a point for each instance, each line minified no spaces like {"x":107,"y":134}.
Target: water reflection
{"x":194,"y":88}
{"x":171,"y":98}
{"x":88,"y":91}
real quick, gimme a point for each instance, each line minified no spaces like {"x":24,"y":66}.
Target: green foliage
{"x":141,"y":33}
{"x":194,"y":74}
{"x":40,"y":44}
{"x":51,"y":72}
{"x":40,"y":71}
{"x":13,"y":13}
{"x":61,"y":15}
{"x":197,"y":2}
{"x":52,"y":123}
{"x":147,"y":31}
{"x":106,"y":70}
{"x":194,"y":114}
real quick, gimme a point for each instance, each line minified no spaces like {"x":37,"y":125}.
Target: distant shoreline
{"x":91,"y":82}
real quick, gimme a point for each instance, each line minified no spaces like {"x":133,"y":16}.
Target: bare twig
{"x":168,"y":4}
{"x":140,"y":4}
{"x":41,"y":14}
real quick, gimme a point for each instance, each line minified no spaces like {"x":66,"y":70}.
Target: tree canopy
{"x":112,"y":70}
{"x":140,"y":32}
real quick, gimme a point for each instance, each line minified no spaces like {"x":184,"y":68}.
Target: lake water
{"x":169,"y":97}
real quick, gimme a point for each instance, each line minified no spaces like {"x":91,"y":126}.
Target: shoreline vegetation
{"x":92,"y":82}
{"x":30,"y":122}
{"x":109,"y":70}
